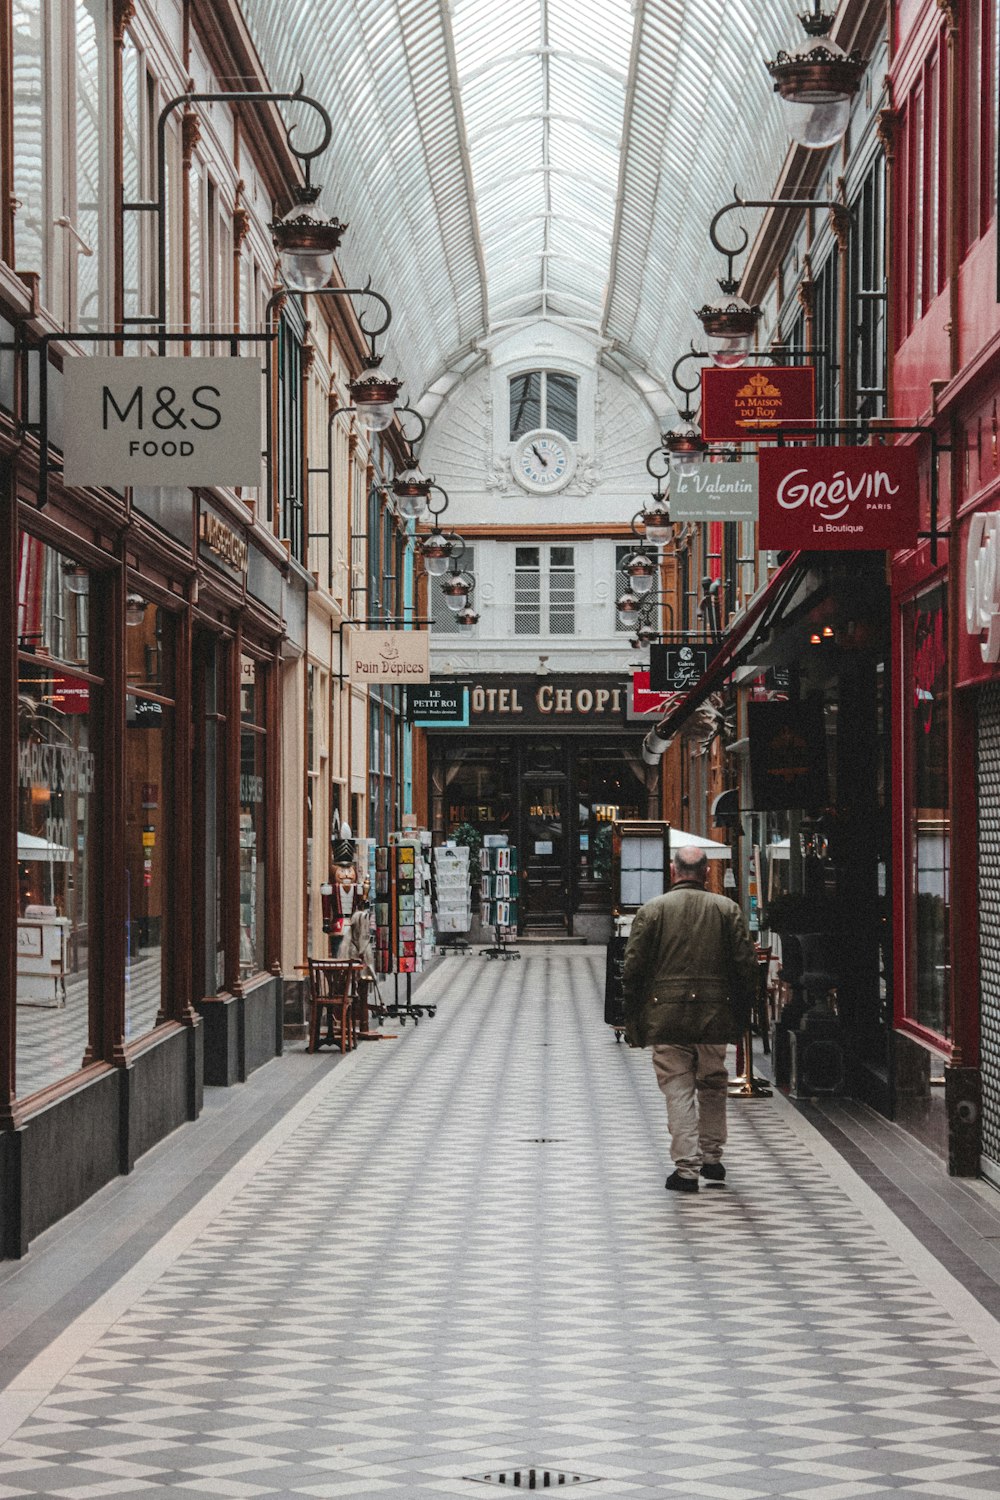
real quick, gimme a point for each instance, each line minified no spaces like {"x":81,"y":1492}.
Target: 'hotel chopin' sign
{"x":526,"y":702}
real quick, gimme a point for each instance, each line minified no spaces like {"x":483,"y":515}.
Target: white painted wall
{"x":467,"y":449}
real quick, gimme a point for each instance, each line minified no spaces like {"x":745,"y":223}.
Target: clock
{"x":543,"y":461}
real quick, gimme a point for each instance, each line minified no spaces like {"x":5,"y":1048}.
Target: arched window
{"x":543,"y":398}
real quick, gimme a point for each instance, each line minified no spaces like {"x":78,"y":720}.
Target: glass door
{"x":545,"y":861}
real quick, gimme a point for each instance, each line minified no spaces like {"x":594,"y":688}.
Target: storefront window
{"x":57,"y":811}
{"x":149,"y":721}
{"x":212,"y":657}
{"x":930,"y":833}
{"x":253,"y":846}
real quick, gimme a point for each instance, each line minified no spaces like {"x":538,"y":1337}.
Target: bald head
{"x":690,"y":863}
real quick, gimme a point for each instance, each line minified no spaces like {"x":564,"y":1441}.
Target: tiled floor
{"x":453,"y":1255}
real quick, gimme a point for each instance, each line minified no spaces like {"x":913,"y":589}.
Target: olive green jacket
{"x":690,"y":969}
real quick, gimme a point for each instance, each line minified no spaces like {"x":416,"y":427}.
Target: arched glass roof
{"x":509,"y":160}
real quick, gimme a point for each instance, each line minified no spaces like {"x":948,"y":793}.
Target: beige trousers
{"x":693,"y":1081}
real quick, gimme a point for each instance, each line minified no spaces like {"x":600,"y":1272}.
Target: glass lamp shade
{"x":456,"y":591}
{"x":306,"y":245}
{"x":643,"y":637}
{"x":436,"y":549}
{"x":373,"y":396}
{"x":641,"y":571}
{"x":628,"y":608}
{"x":817,"y":82}
{"x":412,"y":491}
{"x":685,"y":448}
{"x":817,"y":125}
{"x":135,"y":609}
{"x":729,"y":325}
{"x":656,"y":523}
{"x":466,"y":619}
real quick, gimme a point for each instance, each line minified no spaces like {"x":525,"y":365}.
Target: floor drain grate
{"x":533,"y":1479}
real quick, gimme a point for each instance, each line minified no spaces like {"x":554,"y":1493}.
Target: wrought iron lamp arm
{"x":687,"y":414}
{"x":411,"y":443}
{"x":159,"y":205}
{"x":371,"y":334}
{"x":839,"y":210}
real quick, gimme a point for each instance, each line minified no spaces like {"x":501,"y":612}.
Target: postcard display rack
{"x":452,"y":897}
{"x":640,"y":870}
{"x":404,"y":927}
{"x":499,"y":887}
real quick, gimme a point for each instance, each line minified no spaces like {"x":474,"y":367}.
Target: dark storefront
{"x":550,"y":762}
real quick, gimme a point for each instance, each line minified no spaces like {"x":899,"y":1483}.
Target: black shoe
{"x":675,"y":1183}
{"x":715,"y":1173}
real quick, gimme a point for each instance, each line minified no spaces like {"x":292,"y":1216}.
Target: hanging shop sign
{"x":528,"y":702}
{"x":172,"y":421}
{"x":440,"y":703}
{"x":222,"y":542}
{"x":821,"y":499}
{"x":389,"y":656}
{"x":643,"y":703}
{"x":982,"y":583}
{"x":676,"y":668}
{"x":787,"y":755}
{"x":715,"y":492}
{"x":748,"y":402}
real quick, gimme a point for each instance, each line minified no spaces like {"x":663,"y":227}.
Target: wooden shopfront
{"x":550,"y":761}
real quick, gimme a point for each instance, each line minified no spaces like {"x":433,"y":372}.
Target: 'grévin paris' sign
{"x":715,"y":492}
{"x":820,"y":499}
{"x":173,"y":421}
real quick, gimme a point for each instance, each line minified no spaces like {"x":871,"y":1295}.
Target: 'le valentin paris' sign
{"x":171,"y":421}
{"x":816,"y":499}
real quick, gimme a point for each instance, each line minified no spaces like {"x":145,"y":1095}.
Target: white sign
{"x":169,"y":422}
{"x":716,"y":492}
{"x":982,"y":583}
{"x":389,"y":656}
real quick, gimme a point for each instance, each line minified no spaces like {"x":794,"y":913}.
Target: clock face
{"x":543,"y":461}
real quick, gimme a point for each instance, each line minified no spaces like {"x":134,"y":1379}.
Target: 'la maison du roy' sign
{"x":389,"y":656}
{"x":173,"y":421}
{"x":821,"y":499}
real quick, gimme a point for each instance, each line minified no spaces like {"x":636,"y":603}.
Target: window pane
{"x":525,"y":403}
{"x":29,"y":133}
{"x":562,"y":591}
{"x":527,"y":592}
{"x":560,"y":404}
{"x":931,"y":831}
{"x":91,"y":33}
{"x":53,"y":604}
{"x":252,"y":850}
{"x":57,"y":797}
{"x":148,"y":726}
{"x":622,"y":584}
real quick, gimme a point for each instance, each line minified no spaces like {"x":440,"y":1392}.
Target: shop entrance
{"x":545,"y":860}
{"x":555,"y":799}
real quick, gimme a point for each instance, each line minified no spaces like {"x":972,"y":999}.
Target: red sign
{"x":835,"y":499}
{"x":643,"y":704}
{"x":70,"y":695}
{"x":741,"y":404}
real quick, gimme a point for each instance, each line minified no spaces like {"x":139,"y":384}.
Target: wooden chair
{"x":333,"y":990}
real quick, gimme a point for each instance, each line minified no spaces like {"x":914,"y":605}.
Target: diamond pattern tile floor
{"x":455,"y":1255}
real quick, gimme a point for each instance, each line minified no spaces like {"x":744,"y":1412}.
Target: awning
{"x":709,"y":847}
{"x":744,"y":634}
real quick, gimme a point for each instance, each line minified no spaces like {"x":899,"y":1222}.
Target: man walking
{"x":690,"y":975}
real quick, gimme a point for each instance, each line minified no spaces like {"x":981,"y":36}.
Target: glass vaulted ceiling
{"x":502,"y":160}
